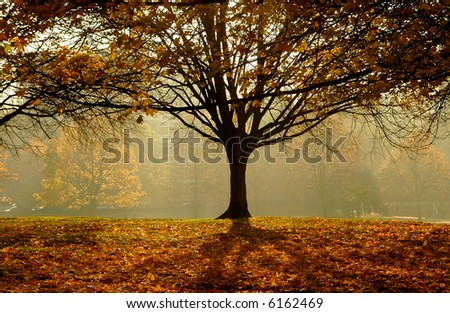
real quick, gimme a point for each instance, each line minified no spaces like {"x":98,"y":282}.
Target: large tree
{"x":242,"y":73}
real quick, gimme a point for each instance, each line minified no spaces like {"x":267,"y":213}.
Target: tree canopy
{"x":242,"y":73}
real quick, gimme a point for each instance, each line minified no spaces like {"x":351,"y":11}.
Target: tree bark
{"x":238,"y":206}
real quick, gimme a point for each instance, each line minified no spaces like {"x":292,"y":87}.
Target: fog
{"x":172,"y":173}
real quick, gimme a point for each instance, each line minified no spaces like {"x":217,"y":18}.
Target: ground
{"x":254,"y":255}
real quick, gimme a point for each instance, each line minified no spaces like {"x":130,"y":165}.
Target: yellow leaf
{"x":150,"y":276}
{"x":256,"y":103}
{"x":19,"y":46}
{"x":285,"y":47}
{"x":21,"y":93}
{"x":302,"y":47}
{"x":36,"y":101}
{"x":7,"y":47}
{"x":150,"y":111}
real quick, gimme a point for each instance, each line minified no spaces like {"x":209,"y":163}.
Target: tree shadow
{"x":246,"y":258}
{"x":239,"y":257}
{"x":242,"y":258}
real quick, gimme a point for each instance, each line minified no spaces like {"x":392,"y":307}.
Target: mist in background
{"x":183,"y":178}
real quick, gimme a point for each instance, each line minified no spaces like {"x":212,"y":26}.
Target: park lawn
{"x":264,"y":255}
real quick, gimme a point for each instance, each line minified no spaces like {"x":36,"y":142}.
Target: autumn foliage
{"x":245,"y":74}
{"x":256,"y":255}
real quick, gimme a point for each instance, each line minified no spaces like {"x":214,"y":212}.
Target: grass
{"x":258,"y":255}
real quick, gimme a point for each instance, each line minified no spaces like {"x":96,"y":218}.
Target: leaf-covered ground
{"x":264,"y":255}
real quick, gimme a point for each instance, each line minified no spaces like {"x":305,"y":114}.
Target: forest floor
{"x":266,"y":254}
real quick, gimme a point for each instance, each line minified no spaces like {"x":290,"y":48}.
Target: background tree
{"x":5,"y":176}
{"x":345,"y":190}
{"x":245,"y":74}
{"x":416,"y":176}
{"x":75,"y":177}
{"x":345,"y":186}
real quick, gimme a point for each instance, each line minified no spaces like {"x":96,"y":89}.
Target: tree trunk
{"x":419,"y":208}
{"x":238,"y":207}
